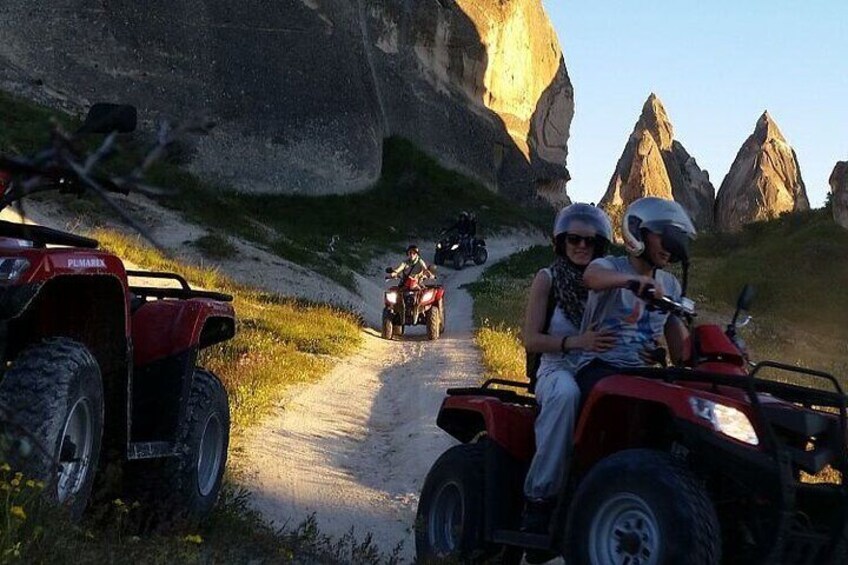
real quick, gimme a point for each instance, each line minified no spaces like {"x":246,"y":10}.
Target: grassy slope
{"x":799,"y":265}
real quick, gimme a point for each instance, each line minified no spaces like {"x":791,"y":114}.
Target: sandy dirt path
{"x":355,"y":447}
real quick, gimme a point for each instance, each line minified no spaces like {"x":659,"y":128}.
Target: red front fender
{"x":163,"y":328}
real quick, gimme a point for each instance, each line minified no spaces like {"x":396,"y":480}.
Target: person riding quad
{"x":466,"y":228}
{"x":657,"y":232}
{"x":554,"y":316}
{"x":413,"y":268}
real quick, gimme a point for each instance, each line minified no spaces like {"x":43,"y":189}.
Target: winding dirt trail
{"x":355,"y":447}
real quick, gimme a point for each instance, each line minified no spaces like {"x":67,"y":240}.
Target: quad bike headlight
{"x":725,"y":419}
{"x":438,"y":246}
{"x":427,"y":296}
{"x":11,"y":268}
{"x":391,"y":297}
{"x":454,"y":247}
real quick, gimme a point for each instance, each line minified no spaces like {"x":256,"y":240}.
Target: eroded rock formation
{"x":839,"y":193}
{"x":655,"y":164}
{"x":763,"y":182}
{"x":305,"y":91}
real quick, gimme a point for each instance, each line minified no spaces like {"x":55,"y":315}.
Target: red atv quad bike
{"x":92,"y":364}
{"x":410,"y":304}
{"x":695,"y":465}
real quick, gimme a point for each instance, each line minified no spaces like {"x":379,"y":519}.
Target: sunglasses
{"x":575,"y":239}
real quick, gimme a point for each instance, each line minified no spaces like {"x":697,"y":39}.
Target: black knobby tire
{"x":439,"y":258}
{"x":434,"y":323}
{"x":444,"y":316}
{"x":52,"y":400}
{"x":186,"y":487}
{"x":398,"y":330}
{"x":458,"y":260}
{"x":388,"y":330}
{"x":449,"y":521}
{"x":652,"y":503}
{"x":481,"y":255}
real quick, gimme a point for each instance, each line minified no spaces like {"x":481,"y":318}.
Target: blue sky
{"x":716,"y":65}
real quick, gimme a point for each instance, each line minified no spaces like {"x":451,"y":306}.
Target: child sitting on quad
{"x":414,"y":267}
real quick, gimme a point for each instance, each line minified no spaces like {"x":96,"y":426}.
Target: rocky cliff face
{"x":305,"y":91}
{"x":839,"y":190}
{"x":655,"y":164}
{"x":763,"y":182}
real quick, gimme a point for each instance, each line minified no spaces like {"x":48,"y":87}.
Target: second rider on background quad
{"x":462,"y":246}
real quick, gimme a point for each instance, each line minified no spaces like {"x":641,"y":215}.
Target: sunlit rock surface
{"x":305,"y":91}
{"x":763,"y":182}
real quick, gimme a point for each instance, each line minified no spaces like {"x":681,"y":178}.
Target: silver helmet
{"x":589,"y":215}
{"x":663,"y":217}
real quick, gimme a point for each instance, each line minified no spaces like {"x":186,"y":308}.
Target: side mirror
{"x":389,"y":270}
{"x":106,"y":118}
{"x":746,"y":297}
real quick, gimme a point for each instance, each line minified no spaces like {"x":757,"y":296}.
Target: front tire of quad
{"x":458,"y":260}
{"x":481,"y":255}
{"x":434,"y":323}
{"x":54,"y":394}
{"x":449,"y":521}
{"x":642,"y":504}
{"x":388,"y":329}
{"x":190,"y":482}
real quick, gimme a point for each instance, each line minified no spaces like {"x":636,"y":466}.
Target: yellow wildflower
{"x":5,"y":467}
{"x":193,"y":538}
{"x":16,"y":482}
{"x":30,"y":483}
{"x":18,"y":512}
{"x":118,"y":502}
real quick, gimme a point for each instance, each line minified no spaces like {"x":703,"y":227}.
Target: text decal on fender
{"x":86,"y":263}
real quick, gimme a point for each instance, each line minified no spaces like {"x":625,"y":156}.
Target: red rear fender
{"x":509,"y":425}
{"x":163,"y":328}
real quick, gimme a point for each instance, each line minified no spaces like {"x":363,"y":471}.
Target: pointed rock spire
{"x":763,"y":182}
{"x":654,"y":164}
{"x":839,"y":193}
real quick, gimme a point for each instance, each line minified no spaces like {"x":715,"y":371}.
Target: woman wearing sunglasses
{"x":554,"y":313}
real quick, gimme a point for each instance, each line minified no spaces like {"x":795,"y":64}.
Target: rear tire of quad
{"x":439,"y":258}
{"x":449,"y":521}
{"x":186,"y":487}
{"x":481,"y":255}
{"x":434,"y":323}
{"x":55,"y":392}
{"x":643,"y":502}
{"x":398,"y":331}
{"x":388,"y":329}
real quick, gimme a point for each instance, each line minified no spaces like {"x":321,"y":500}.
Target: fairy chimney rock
{"x":655,"y":164}
{"x":763,"y":182}
{"x":839,"y":189}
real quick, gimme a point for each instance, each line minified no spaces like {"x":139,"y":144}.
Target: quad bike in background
{"x":670,"y":465}
{"x":457,"y":252}
{"x":93,"y":364}
{"x":410,"y":304}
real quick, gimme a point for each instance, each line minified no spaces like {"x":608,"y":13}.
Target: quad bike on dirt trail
{"x":454,"y":251}
{"x":670,"y":466}
{"x":410,"y":303}
{"x":92,"y":364}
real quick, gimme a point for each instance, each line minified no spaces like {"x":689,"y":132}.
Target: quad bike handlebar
{"x":685,"y":307}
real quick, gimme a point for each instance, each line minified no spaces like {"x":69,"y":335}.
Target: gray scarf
{"x":569,"y":290}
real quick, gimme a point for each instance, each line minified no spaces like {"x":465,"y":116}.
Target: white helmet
{"x":663,"y":217}
{"x":589,"y":215}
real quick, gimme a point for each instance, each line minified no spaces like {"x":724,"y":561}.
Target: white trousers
{"x":559,"y":397}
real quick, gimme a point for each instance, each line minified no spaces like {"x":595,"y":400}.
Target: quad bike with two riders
{"x":93,"y":365}
{"x":457,"y":251}
{"x":699,"y":465}
{"x":410,"y":303}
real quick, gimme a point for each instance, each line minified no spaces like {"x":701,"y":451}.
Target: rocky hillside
{"x":763,"y":182}
{"x":655,"y":164}
{"x":305,"y":91}
{"x":839,"y":193}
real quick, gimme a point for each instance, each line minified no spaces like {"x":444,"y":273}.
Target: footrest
{"x":522,"y":539}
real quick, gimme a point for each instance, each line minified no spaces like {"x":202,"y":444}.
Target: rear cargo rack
{"x":185,"y":291}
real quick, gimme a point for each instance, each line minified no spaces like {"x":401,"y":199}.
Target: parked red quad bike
{"x":410,"y":304}
{"x":695,"y":465}
{"x":92,"y":364}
